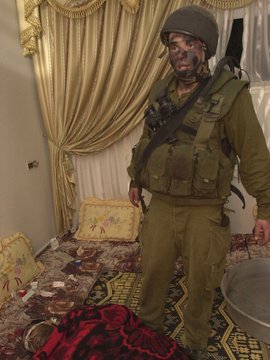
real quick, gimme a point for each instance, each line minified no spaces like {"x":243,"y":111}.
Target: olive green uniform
{"x":190,"y":182}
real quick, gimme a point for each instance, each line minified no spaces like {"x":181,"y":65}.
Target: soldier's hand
{"x":134,"y":196}
{"x":262,"y":231}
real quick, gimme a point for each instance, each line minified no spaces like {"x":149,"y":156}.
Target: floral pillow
{"x":108,"y":220}
{"x":17,"y":265}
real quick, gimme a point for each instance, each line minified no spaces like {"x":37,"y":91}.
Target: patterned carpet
{"x":227,"y":340}
{"x":60,"y":266}
{"x":121,"y":260}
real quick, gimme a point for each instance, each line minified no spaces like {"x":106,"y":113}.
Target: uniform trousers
{"x":198,"y":235}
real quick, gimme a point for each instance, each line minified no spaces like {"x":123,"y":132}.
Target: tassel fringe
{"x":30,"y":35}
{"x":78,"y":12}
{"x":228,"y":4}
{"x":29,"y":41}
{"x":131,"y":8}
{"x":30,"y":6}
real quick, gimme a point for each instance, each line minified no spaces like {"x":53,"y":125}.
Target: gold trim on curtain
{"x":226,"y":4}
{"x":73,"y":10}
{"x":132,"y":6}
{"x":30,"y":26}
{"x":29,"y":15}
{"x":77,"y":9}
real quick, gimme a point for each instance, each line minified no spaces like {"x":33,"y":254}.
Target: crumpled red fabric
{"x":107,"y":332}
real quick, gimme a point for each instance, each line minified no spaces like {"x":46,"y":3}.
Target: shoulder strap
{"x":208,"y":121}
{"x":221,"y":98}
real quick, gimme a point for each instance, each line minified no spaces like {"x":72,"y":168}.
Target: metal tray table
{"x":246,"y":288}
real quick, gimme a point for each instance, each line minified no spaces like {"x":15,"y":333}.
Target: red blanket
{"x":107,"y":332}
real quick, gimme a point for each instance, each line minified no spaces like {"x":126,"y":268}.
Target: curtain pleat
{"x":93,"y":77}
{"x":256,"y":37}
{"x":256,"y":59}
{"x":103,"y":174}
{"x":224,"y":20}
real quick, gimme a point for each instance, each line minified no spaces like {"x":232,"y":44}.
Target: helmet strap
{"x":197,"y":74}
{"x":203,"y":51}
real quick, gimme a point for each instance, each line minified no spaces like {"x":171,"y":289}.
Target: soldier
{"x":195,"y":127}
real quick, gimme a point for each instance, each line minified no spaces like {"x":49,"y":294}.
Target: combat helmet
{"x":195,"y":21}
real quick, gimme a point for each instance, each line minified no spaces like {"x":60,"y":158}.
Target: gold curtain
{"x":93,"y":76}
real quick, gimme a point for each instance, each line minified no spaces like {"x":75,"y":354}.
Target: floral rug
{"x":70,"y":274}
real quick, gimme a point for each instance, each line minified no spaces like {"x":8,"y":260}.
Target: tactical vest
{"x":193,"y":166}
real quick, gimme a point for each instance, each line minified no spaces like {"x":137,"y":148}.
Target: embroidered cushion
{"x":115,"y":220}
{"x":17,"y":265}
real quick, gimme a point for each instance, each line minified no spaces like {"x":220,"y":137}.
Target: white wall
{"x":25,"y":195}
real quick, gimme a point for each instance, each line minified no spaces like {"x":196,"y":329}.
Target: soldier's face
{"x":185,"y":51}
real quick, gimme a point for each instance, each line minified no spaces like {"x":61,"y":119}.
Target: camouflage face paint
{"x":185,"y":52}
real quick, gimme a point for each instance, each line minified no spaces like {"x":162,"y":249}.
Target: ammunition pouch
{"x":182,"y":170}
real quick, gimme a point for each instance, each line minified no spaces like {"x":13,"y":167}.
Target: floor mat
{"x":227,"y":340}
{"x":62,"y":286}
{"x":96,"y":258}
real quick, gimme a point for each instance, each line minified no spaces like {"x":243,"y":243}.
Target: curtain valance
{"x":30,"y":26}
{"x":78,"y":8}
{"x":226,"y":4}
{"x":82,"y":8}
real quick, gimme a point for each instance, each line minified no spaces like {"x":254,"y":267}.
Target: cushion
{"x":17,"y":265}
{"x":115,"y":220}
